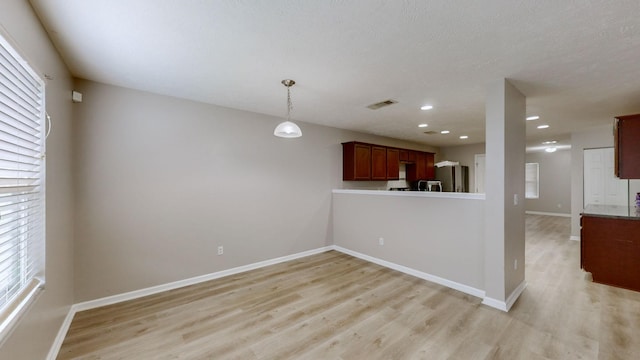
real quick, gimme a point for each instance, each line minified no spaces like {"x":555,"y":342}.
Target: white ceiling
{"x":576,"y":61}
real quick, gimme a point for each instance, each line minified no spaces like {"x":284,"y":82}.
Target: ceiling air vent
{"x":377,"y":106}
{"x":430,"y":132}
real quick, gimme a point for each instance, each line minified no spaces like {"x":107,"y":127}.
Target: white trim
{"x":574,"y":237}
{"x":419,"y":274}
{"x":26,"y":300}
{"x":109,"y":300}
{"x":62,"y":333}
{"x":516,"y":294}
{"x":547,"y":213}
{"x":426,"y":194}
{"x":506,"y":305}
{"x":496,"y":304}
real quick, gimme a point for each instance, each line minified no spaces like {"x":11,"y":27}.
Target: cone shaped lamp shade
{"x":288,"y":129}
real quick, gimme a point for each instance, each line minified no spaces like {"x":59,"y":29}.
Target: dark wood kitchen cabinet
{"x":356,"y":161}
{"x":404,"y":155}
{"x":362,"y":161}
{"x":393,"y":164}
{"x":422,"y":168}
{"x":378,"y":162}
{"x":430,"y":165}
{"x":627,"y":146}
{"x":610,"y":250}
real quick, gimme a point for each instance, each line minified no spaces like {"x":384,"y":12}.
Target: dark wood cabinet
{"x":627,"y":146}
{"x":378,"y":162}
{"x":610,"y":250}
{"x":429,"y":163}
{"x":393,"y":164}
{"x":404,"y":155}
{"x":362,"y":161}
{"x":422,"y":166}
{"x":356,"y":161}
{"x":411,"y":156}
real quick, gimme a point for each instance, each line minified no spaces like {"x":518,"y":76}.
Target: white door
{"x":479,"y":173}
{"x":601,"y":187}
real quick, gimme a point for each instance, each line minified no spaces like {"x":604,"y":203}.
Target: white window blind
{"x":21,"y":184}
{"x":532,"y":186}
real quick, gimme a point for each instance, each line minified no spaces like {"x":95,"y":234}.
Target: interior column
{"x":504,"y":188}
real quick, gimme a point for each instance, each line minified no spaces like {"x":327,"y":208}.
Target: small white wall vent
{"x":377,"y":106}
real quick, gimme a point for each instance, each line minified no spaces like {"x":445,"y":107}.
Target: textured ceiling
{"x":576,"y":61}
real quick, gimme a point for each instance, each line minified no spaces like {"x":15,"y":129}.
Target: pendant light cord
{"x":289,"y":103}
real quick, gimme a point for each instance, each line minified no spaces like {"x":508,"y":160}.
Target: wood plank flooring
{"x":333,"y":306}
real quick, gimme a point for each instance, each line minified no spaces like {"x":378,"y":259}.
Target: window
{"x":21,"y":185}
{"x":531,"y":181}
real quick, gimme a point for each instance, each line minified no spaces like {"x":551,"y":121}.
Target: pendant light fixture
{"x":288,"y":129}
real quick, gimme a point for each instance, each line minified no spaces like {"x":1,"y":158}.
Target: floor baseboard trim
{"x":62,"y":332}
{"x":131,"y":295}
{"x":495,"y":303}
{"x":516,"y":294}
{"x":547,"y":213}
{"x":506,"y":305}
{"x":419,"y":274}
{"x":574,"y":237}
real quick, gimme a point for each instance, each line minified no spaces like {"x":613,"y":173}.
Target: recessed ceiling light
{"x":549,"y":142}
{"x":534,"y":117}
{"x":464,"y":137}
{"x":550,"y":149}
{"x":445,"y":132}
{"x":426,"y":107}
{"x":543,"y":126}
{"x":423,"y":125}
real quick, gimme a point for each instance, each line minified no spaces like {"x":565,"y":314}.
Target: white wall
{"x":34,"y":334}
{"x":162,"y":182}
{"x":439,"y":236}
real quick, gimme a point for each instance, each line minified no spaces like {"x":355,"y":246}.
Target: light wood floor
{"x":333,"y":306}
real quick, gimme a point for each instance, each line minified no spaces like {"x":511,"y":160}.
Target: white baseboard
{"x":547,"y":213}
{"x":574,"y":237}
{"x":57,"y":342}
{"x":516,"y":294}
{"x":505,"y":305}
{"x":494,"y":303}
{"x":419,"y":274}
{"x":109,"y":300}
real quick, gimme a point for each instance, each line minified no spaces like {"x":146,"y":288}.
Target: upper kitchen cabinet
{"x":430,"y":165}
{"x":378,"y":162}
{"x":627,"y":146}
{"x":362,"y":161}
{"x":356,"y":161}
{"x":393,"y":163}
{"x":422,"y":168}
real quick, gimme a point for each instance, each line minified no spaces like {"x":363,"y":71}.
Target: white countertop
{"x":423,"y":194}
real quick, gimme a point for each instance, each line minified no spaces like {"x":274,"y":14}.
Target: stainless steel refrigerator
{"x":453,"y":178}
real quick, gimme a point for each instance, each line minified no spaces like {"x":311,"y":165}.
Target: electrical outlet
{"x":220,"y":250}
{"x":515,"y":264}
{"x":381,"y":241}
{"x":515,"y":199}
